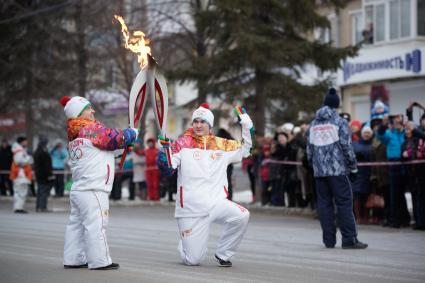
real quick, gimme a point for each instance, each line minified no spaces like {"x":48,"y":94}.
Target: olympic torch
{"x":148,"y":82}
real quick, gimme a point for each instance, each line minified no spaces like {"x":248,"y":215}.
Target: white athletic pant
{"x":85,"y":235}
{"x":20,"y":192}
{"x":194,"y":232}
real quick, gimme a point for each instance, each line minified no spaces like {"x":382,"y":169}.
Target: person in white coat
{"x":139,"y":169}
{"x":20,"y":174}
{"x":201,"y":160}
{"x":90,"y":147}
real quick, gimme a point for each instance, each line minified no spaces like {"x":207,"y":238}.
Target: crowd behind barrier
{"x":390,"y":151}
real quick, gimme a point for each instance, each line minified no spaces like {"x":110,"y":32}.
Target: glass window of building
{"x":357,"y":27}
{"x":399,"y":19}
{"x":369,"y":24}
{"x":405,"y":18}
{"x":323,"y":35}
{"x":380,"y":22}
{"x":394,"y":19}
{"x":334,"y":31}
{"x":421,"y":17}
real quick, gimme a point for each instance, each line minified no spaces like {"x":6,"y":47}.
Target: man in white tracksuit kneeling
{"x":202,"y":159}
{"x":91,"y":147}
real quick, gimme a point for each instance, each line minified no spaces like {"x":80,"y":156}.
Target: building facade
{"x":390,"y":63}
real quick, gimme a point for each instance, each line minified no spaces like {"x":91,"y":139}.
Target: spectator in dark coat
{"x":6,"y":158}
{"x":43,"y":173}
{"x":293,"y":185}
{"x":222,"y":133}
{"x":361,"y":186}
{"x":266,"y":187}
{"x":279,"y":152}
{"x":380,"y":176}
{"x":414,"y":149}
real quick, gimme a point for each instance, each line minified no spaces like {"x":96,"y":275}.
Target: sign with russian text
{"x":382,"y":63}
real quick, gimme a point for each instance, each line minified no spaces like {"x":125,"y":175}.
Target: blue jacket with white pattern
{"x":329,"y":148}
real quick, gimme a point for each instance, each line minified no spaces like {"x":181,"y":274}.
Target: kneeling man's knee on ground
{"x":193,"y":258}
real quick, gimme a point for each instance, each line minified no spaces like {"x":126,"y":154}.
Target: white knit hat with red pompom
{"x":74,"y":106}
{"x":204,"y":113}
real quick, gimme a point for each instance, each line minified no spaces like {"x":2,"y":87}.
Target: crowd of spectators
{"x":50,"y":168}
{"x":382,"y":145}
{"x":279,"y":165}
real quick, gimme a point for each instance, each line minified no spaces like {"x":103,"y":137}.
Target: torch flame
{"x":135,"y":42}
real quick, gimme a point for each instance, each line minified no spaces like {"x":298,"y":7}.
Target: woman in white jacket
{"x":91,"y":147}
{"x":201,"y":160}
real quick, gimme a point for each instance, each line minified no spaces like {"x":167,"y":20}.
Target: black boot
{"x":223,"y":263}
{"x":356,"y":246}
{"x":112,"y":266}
{"x":76,"y":266}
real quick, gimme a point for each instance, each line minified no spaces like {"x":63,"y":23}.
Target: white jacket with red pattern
{"x":202,"y":169}
{"x":91,"y":153}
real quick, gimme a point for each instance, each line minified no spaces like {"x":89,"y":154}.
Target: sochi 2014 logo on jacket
{"x":216,"y":155}
{"x":197,"y":155}
{"x":321,"y":135}
{"x":75,"y":151}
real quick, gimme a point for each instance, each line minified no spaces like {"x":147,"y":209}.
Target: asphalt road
{"x":143,"y":239}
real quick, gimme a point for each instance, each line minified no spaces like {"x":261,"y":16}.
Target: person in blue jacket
{"x":59,"y":156}
{"x":392,"y":134}
{"x":330,"y":152}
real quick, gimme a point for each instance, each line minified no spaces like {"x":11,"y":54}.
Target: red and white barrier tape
{"x":6,"y":172}
{"x":294,"y":163}
{"x":360,"y":164}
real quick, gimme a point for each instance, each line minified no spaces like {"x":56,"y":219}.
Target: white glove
{"x":246,"y":121}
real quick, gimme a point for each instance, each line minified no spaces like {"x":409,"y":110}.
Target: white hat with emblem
{"x":204,"y":113}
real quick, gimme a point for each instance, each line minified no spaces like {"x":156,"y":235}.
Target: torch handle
{"x":238,"y":110}
{"x":123,"y":156}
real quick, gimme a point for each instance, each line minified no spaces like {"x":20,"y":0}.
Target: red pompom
{"x":205,"y":105}
{"x":64,"y":100}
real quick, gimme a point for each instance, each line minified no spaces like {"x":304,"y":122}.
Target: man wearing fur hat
{"x":330,"y":152}
{"x":202,"y":159}
{"x":20,"y":173}
{"x":91,"y":147}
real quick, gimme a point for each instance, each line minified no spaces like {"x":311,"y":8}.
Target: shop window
{"x":361,"y":108}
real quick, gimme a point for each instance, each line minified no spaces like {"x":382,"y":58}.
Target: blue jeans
{"x":338,"y":189}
